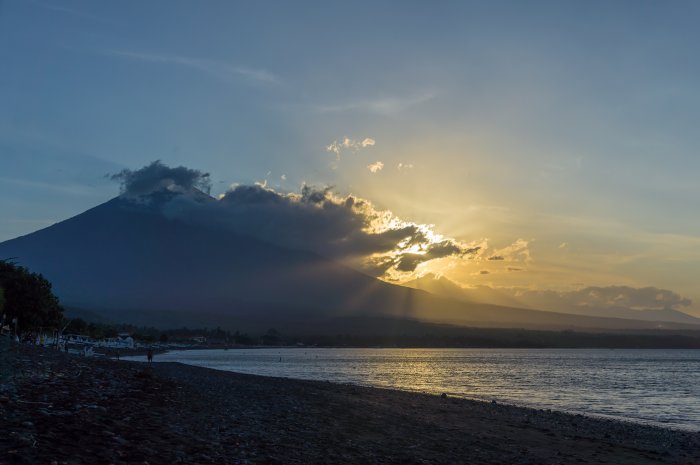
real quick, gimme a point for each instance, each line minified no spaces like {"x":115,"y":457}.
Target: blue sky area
{"x":568,"y":126}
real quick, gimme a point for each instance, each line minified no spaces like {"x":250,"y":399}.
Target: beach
{"x":66,"y":409}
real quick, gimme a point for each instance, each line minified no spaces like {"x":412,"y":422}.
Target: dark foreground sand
{"x":64,"y":409}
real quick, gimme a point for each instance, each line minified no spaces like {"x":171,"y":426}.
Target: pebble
{"x":191,"y":415}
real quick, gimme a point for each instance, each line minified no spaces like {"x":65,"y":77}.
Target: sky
{"x":560,"y":136}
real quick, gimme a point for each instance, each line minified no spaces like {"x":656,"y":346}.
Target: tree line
{"x":27,"y":301}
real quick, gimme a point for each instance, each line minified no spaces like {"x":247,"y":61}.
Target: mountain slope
{"x":126,"y":257}
{"x":444,"y":287}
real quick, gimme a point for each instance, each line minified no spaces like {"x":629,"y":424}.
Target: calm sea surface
{"x":660,"y":387}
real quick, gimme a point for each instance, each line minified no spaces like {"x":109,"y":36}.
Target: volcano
{"x":129,"y":262}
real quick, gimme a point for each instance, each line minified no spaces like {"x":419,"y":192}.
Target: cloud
{"x":405,"y":166}
{"x":514,"y":268}
{"x":516,"y":252}
{"x":484,"y":272}
{"x":346,"y":228}
{"x":375,"y":167}
{"x":563,"y":245}
{"x":346,"y":143}
{"x":52,"y":187}
{"x":158,"y":177}
{"x":624,"y":296}
{"x":339,"y":227}
{"x":382,"y":106}
{"x":580,"y":300}
{"x":409,"y":261}
{"x":622,"y":301}
{"x":283,"y":177}
{"x":214,"y":68}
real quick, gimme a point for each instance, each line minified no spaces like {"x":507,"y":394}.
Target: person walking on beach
{"x":149,"y":355}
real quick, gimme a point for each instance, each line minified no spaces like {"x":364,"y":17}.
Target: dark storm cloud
{"x":318,"y":220}
{"x":409,"y":261}
{"x":497,"y":257}
{"x":314,"y":219}
{"x":157,"y":176}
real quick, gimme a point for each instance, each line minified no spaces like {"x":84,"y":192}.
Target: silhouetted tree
{"x":28,"y":297}
{"x":244,"y":339}
{"x":271,"y":338}
{"x":77,"y":326}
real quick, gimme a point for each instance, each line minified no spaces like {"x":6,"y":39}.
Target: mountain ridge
{"x":440,"y":285}
{"x":125,"y":255}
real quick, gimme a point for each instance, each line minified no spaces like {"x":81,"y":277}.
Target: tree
{"x":77,"y":326}
{"x":28,"y":297}
{"x":271,"y":338}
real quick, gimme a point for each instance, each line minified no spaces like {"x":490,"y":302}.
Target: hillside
{"x":125,"y":257}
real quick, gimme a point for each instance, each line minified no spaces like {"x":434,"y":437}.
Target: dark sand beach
{"x":63,"y":409}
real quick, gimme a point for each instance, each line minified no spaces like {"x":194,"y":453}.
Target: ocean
{"x":657,"y":387}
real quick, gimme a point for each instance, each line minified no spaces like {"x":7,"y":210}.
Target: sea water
{"x":659,"y":387}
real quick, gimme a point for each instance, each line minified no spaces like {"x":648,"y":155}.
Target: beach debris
{"x":208,"y":417}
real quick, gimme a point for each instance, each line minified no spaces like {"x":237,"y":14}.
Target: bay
{"x":657,"y":387}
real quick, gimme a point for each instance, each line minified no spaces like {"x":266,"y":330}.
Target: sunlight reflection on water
{"x":659,"y":387}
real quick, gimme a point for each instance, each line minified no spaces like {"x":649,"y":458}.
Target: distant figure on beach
{"x":150,"y":356}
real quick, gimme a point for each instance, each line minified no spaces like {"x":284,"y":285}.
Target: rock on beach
{"x":65,"y":409}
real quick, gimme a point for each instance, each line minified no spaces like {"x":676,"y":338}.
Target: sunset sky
{"x":559,"y":136}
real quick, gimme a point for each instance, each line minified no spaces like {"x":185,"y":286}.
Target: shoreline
{"x":508,"y":403}
{"x":73,"y":410}
{"x":486,"y":399}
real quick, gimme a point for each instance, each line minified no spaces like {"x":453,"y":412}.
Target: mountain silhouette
{"x":125,"y":259}
{"x":442,"y":286}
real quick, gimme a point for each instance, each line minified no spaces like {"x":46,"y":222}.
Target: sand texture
{"x":64,"y":409}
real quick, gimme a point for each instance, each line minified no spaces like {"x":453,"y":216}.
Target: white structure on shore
{"x":122,"y":341}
